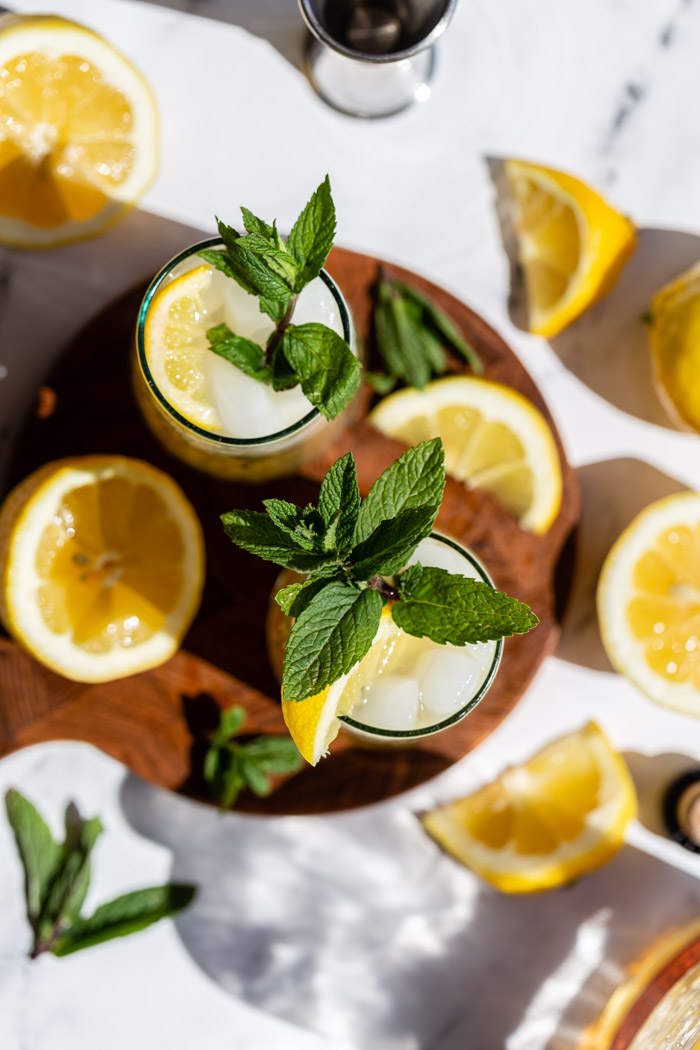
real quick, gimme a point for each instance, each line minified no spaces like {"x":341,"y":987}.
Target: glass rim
{"x":456,"y":716}
{"x":172,"y":412}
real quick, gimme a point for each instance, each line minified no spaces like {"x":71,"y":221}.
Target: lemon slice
{"x":102,"y":566}
{"x":649,"y":602}
{"x":546,"y":822}
{"x":494,"y":439}
{"x":177,"y":346}
{"x":78,"y":132}
{"x":572,"y":245}
{"x":674,"y":340}
{"x":313,"y":723}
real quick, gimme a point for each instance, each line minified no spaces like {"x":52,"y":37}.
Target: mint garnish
{"x":230,"y":765}
{"x":353,"y":552}
{"x":310,"y":355}
{"x":412,"y":332}
{"x":56,"y":879}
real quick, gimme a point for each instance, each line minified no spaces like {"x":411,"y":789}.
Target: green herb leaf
{"x":415,"y":480}
{"x":251,"y":270}
{"x":311,"y":237}
{"x":273,"y":754}
{"x":70,"y":883}
{"x":383,"y":384}
{"x":283,"y":375}
{"x":339,"y":503}
{"x":255,"y":778}
{"x":127,"y":914}
{"x":243,"y":353}
{"x":293,"y":599}
{"x":258,"y":534}
{"x":230,"y":723}
{"x":442,"y":324}
{"x":255,"y":225}
{"x":328,"y":371}
{"x":386,"y":551}
{"x":416,"y":367}
{"x":304,"y":525}
{"x":445,"y":607}
{"x":39,"y":853}
{"x":330,"y":635}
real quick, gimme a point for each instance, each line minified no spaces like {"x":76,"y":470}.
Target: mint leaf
{"x":39,"y":854}
{"x":243,"y":353}
{"x":386,"y":551}
{"x":450,"y":608}
{"x":327,"y":369}
{"x":127,"y":914}
{"x":417,"y":371}
{"x":255,"y":778}
{"x":277,"y":257}
{"x":415,"y":480}
{"x":293,"y":599}
{"x":442,"y":324}
{"x":286,"y":596}
{"x":255,"y":225}
{"x":283,"y":375}
{"x":258,"y":534}
{"x":251,"y":271}
{"x":70,"y":883}
{"x":273,"y":754}
{"x":311,"y":237}
{"x":339,"y":503}
{"x":304,"y":525}
{"x":382,"y":384}
{"x":230,"y":722}
{"x":330,"y":635}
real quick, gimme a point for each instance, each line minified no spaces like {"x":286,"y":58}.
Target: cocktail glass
{"x":276,"y":445}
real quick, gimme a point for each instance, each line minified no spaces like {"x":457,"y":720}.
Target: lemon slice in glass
{"x":102,"y":566}
{"x":494,"y":439}
{"x":546,"y":822}
{"x":78,"y":132}
{"x":649,"y":602}
{"x":572,"y":245}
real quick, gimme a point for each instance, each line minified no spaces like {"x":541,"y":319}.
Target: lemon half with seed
{"x":649,"y":602}
{"x":674,"y":341}
{"x":101,"y":566}
{"x":78,"y":132}
{"x":494,"y":438}
{"x":572,"y":244}
{"x":546,"y":822}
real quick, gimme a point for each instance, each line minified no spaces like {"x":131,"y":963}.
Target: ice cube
{"x":441,"y":555}
{"x":214,"y":295}
{"x":245,"y":405}
{"x":316,"y":303}
{"x":391,"y":702}
{"x":292,"y":405}
{"x":448,"y":679}
{"x":243,"y":315}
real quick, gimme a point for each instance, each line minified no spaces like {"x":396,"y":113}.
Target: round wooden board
{"x":156,"y":723}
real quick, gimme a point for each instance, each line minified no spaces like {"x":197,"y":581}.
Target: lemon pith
{"x":649,"y":602}
{"x":546,"y":822}
{"x":494,"y":438}
{"x":102,"y":566}
{"x":572,"y":244}
{"x":78,"y":132}
{"x":674,"y":341}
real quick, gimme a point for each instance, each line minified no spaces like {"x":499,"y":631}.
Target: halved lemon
{"x":78,"y":132}
{"x":101,"y":566}
{"x":572,"y":244}
{"x":674,"y":340}
{"x":545,"y":823}
{"x":494,"y":439}
{"x":176,"y":345}
{"x":649,"y":602}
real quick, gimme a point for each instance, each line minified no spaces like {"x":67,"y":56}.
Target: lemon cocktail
{"x":245,"y":350}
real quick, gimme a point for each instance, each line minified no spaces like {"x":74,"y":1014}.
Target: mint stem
{"x":378,"y":583}
{"x":282,"y":326}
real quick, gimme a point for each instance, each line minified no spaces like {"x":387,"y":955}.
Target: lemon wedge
{"x":78,"y":132}
{"x":649,"y":602}
{"x":572,"y":245}
{"x":101,"y":568}
{"x":494,"y":439}
{"x":674,"y":341}
{"x":176,"y":345}
{"x":544,"y":823}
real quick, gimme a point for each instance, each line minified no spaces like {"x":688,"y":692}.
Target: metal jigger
{"x":372,"y":59}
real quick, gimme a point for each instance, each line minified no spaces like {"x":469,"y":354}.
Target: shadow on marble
{"x":607,"y":348}
{"x":613,"y":492}
{"x":359,"y":928}
{"x":277,"y":21}
{"x":653,"y":775}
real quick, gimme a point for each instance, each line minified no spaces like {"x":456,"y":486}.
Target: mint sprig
{"x":353,"y":553}
{"x":412,"y":333}
{"x":232,"y":765}
{"x":56,"y":880}
{"x":310,"y":355}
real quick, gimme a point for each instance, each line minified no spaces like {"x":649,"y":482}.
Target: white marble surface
{"x":354,"y":931}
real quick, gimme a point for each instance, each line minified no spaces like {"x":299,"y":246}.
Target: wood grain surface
{"x":156,"y":722}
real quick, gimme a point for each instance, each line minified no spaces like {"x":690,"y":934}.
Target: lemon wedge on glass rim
{"x":494,"y":438}
{"x":101,"y":566}
{"x":649,"y":602}
{"x":78,"y":132}
{"x":544,"y":823}
{"x":572,"y":244}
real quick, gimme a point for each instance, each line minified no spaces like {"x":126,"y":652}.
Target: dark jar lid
{"x":681,"y":808}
